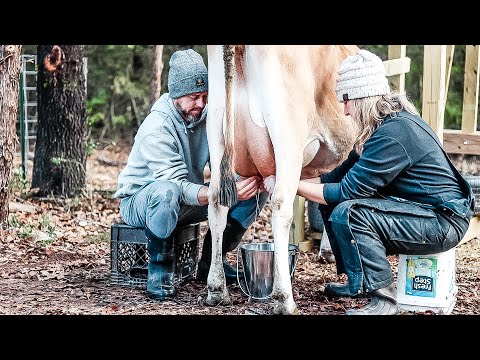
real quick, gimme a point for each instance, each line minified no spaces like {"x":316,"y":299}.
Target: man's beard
{"x":193,"y":118}
{"x":189,"y":117}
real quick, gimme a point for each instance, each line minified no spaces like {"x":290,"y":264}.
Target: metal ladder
{"x":28,"y":107}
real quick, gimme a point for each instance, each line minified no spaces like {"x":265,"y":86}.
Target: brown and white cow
{"x":272,"y":111}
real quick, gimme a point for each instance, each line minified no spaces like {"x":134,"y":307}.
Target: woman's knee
{"x":341,"y":212}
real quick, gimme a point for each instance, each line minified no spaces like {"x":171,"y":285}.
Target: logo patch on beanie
{"x":200,"y":82}
{"x":345,"y":97}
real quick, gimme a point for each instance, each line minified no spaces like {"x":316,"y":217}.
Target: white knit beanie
{"x":361,"y":75}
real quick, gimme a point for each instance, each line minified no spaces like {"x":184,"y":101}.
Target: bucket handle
{"x":238,"y":279}
{"x":245,"y":280}
{"x":296,"y":261}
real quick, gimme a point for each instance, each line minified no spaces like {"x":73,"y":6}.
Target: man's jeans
{"x":157,"y":206}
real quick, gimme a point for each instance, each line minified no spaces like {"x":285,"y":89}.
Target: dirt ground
{"x":55,"y":259}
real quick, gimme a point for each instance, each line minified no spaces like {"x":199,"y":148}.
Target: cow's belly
{"x":254,"y":153}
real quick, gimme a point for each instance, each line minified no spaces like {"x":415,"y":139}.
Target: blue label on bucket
{"x":421,"y":276}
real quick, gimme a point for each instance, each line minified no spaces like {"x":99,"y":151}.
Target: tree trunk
{"x":157,"y":74}
{"x":60,"y":148}
{"x":9,"y":90}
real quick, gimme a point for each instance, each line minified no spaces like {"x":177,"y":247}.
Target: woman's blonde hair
{"x":369,"y":113}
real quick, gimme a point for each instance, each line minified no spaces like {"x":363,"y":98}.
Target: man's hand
{"x":248,"y":186}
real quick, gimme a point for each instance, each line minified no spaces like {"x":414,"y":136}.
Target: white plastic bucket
{"x":427,"y":282}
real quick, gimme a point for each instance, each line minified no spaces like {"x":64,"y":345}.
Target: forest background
{"x":119,"y":86}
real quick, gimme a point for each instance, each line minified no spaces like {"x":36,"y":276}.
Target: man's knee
{"x":163,"y":208}
{"x":164,"y":193}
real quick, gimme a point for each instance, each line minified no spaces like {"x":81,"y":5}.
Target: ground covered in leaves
{"x":55,"y":259}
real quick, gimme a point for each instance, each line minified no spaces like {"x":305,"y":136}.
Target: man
{"x":397,"y":193}
{"x":162,"y":185}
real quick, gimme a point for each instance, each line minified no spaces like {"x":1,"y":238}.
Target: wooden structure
{"x":437,"y":66}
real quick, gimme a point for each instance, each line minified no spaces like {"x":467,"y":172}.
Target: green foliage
{"x":18,"y":183}
{"x":91,"y":146}
{"x":46,"y":224}
{"x":414,"y":78}
{"x":454,"y":103}
{"x":119,"y":76}
{"x":60,"y":160}
{"x":119,"y":120}
{"x":95,"y":107}
{"x":118,"y":85}
{"x":57,"y":161}
{"x":100,"y":238}
{"x":26,"y":229}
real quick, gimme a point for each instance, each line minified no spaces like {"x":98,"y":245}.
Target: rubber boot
{"x":161,"y":271}
{"x":232,"y":236}
{"x":334,"y":289}
{"x":383,"y":302}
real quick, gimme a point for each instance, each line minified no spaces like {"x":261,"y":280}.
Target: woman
{"x":397,"y":193}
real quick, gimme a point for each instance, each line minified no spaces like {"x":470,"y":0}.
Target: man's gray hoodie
{"x":166,"y":148}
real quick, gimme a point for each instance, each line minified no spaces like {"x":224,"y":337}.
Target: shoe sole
{"x":160,"y":297}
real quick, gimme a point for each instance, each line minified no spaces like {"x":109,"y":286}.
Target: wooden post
{"x":433,"y":101}
{"x":297,"y":230}
{"x":397,"y":82}
{"x":470,"y":90}
{"x":450,"y":50}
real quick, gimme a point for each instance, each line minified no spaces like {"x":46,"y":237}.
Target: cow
{"x":272,"y":111}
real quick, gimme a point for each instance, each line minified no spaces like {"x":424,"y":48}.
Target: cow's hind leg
{"x":216,"y":282}
{"x":217,"y":214}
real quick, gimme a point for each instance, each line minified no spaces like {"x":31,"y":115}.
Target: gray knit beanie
{"x":187,"y":74}
{"x":361,"y":75}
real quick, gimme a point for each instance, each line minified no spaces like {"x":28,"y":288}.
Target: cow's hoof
{"x":285,"y":309}
{"x":218,"y":298}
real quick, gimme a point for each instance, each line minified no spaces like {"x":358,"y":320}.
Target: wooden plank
{"x":450,"y":50}
{"x":455,"y":142}
{"x":397,"y":67}
{"x":297,"y":230}
{"x":397,"y":79}
{"x":473,"y":230}
{"x":433,"y":100}
{"x":470,"y":90}
{"x":305,"y":245}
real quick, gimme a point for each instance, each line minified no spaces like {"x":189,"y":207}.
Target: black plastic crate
{"x":474,"y":182}
{"x":129,"y":257}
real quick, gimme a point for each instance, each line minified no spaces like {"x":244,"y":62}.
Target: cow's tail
{"x":228,"y":189}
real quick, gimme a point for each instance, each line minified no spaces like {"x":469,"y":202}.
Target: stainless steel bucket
{"x":257,"y":261}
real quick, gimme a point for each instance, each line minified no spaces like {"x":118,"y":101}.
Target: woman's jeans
{"x":363,"y":232}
